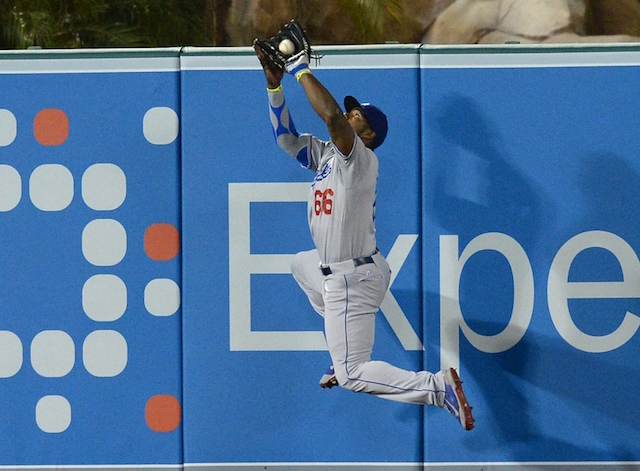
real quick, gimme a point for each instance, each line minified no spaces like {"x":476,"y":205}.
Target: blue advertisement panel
{"x":531,"y":171}
{"x":254,"y":349}
{"x":90,"y":326}
{"x":148,"y":220}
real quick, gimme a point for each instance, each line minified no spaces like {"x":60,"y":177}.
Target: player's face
{"x":361,"y":126}
{"x":357,"y":120}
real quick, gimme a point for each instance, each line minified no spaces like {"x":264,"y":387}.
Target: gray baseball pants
{"x":348,"y":300}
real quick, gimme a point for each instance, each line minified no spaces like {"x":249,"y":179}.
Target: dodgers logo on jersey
{"x":322,"y":174}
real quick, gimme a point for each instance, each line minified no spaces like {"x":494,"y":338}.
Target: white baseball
{"x":286,"y":47}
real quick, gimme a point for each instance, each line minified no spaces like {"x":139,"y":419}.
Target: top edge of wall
{"x":174,"y":59}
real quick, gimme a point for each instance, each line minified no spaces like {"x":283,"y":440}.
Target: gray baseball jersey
{"x":342,"y":200}
{"x":343,"y":193}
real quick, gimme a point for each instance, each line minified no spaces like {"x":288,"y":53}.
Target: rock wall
{"x":329,"y":22}
{"x":536,"y":21}
{"x":442,"y":21}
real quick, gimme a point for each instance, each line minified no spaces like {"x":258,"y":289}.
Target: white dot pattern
{"x":52,"y":353}
{"x":53,"y":414}
{"x":8,"y":127}
{"x":104,"y":242}
{"x":160,"y":125}
{"x":11,"y":355}
{"x":162,"y":297}
{"x":105,"y":353}
{"x":104,"y":187}
{"x":104,"y":298}
{"x":10,"y":188}
{"x":51,"y":187}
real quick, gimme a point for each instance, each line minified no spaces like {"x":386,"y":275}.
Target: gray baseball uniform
{"x":346,"y":277}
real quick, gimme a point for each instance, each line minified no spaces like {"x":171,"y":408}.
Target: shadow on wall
{"x":544,"y":395}
{"x":570,"y":401}
{"x":610,"y":189}
{"x":472,"y":187}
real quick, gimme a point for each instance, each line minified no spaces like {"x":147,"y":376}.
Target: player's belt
{"x":326,"y":269}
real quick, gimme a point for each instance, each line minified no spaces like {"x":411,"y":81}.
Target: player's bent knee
{"x":296,"y":265}
{"x":346,"y":382}
{"x":299,"y":265}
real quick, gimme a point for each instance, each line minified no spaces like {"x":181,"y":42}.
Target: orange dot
{"x":51,"y":127}
{"x":161,"y":241}
{"x":163,"y":413}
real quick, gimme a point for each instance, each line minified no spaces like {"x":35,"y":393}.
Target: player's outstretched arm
{"x":272,"y":72}
{"x":325,"y":105}
{"x":284,"y":130}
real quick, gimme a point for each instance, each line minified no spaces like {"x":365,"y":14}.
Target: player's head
{"x":376,"y":119}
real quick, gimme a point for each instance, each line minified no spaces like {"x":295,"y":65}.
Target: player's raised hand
{"x":272,"y":71}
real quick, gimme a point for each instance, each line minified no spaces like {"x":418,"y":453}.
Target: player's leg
{"x":351,"y":301}
{"x":304,"y":268}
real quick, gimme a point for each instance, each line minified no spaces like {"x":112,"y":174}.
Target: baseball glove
{"x":292,"y":31}
{"x":298,"y":37}
{"x":270,"y":49}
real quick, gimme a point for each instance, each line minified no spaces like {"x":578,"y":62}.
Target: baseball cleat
{"x":454,"y":399}
{"x":328,"y":379}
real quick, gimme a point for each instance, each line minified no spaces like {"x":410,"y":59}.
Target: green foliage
{"x":152,"y":23}
{"x":372,"y":17}
{"x":101,"y":23}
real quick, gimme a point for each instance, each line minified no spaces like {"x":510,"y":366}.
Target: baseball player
{"x":346,"y":277}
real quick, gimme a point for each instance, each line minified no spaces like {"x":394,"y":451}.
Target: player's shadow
{"x":470,"y":186}
{"x":587,"y":384}
{"x":610,"y":192}
{"x":549,"y":369}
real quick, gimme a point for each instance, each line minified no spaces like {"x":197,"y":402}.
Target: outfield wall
{"x":148,"y":219}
